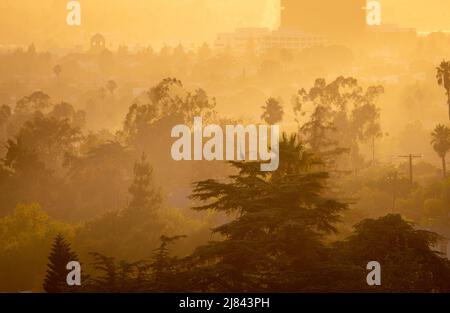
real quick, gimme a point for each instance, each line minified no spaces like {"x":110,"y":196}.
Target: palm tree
{"x":273,"y":111}
{"x":441,"y":144}
{"x":443,"y":78}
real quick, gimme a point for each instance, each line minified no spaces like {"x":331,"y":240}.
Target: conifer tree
{"x":144,"y":195}
{"x":276,"y":240}
{"x":60,"y":255}
{"x":163,"y":266}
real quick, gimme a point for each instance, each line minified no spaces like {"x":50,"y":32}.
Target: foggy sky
{"x":173,"y":21}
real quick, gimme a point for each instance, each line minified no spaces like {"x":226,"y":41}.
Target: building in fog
{"x":335,"y":19}
{"x":262,"y":39}
{"x":98,"y":43}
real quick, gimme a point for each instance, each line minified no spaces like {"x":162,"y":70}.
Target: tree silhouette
{"x":38,"y":100}
{"x":443,"y":79}
{"x":168,"y":99}
{"x":343,"y":115}
{"x":281,"y":218}
{"x":441,"y":144}
{"x":408,"y":261}
{"x":49,"y":138}
{"x":273,"y":112}
{"x":57,"y":70}
{"x":5,"y":113}
{"x":163,"y":266}
{"x":60,"y":255}
{"x":109,"y":276}
{"x":111,"y":85}
{"x":143,"y":193}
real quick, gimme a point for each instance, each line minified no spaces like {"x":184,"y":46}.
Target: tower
{"x":98,"y":43}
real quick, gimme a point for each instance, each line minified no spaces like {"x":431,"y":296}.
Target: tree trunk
{"x":373,"y":149}
{"x":448,"y":102}
{"x":444,"y":167}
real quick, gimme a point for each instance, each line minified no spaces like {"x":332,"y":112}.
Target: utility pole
{"x":411,"y":157}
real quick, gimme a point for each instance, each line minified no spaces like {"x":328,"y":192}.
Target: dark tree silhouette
{"x":60,"y":255}
{"x":443,"y":79}
{"x":164,"y":266}
{"x":5,"y":113}
{"x":38,"y":100}
{"x":405,"y":253}
{"x":57,"y":70}
{"x":111,"y":85}
{"x":441,"y":144}
{"x":272,"y":112}
{"x":276,"y":239}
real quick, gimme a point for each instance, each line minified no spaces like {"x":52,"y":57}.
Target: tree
{"x":159,"y":274}
{"x":64,"y":110}
{"x":275,"y":241}
{"x":144,"y":195}
{"x":111,"y":85}
{"x":167,"y":100}
{"x":61,"y":254}
{"x":443,"y":79}
{"x":343,"y":115}
{"x":441,"y":144}
{"x":57,"y":70}
{"x":273,"y":112}
{"x":99,"y":167}
{"x":111,"y":276}
{"x":138,"y":226}
{"x":25,"y":237}
{"x":48,"y":138}
{"x":38,"y":100}
{"x":164,"y":266}
{"x":5,"y":113}
{"x":405,"y":253}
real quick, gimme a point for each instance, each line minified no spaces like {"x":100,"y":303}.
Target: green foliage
{"x":26,"y":236}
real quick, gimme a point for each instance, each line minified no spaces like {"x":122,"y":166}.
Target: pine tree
{"x":61,"y":254}
{"x":144,"y":195}
{"x":163,"y":266}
